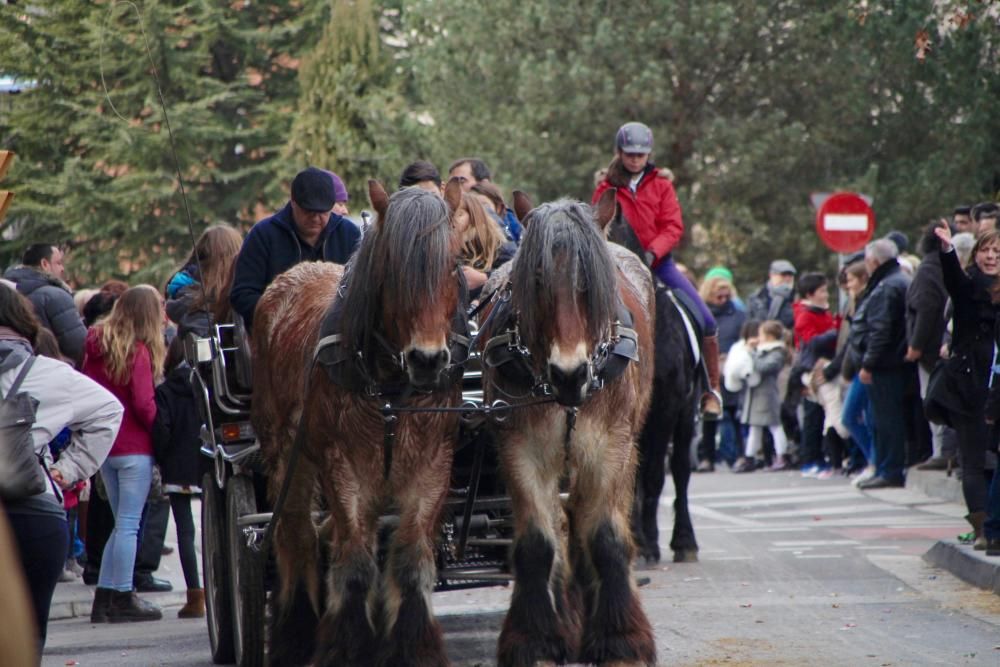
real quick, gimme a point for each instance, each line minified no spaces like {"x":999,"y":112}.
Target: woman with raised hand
{"x":975,"y":298}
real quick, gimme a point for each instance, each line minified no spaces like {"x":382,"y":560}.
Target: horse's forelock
{"x":402,"y":269}
{"x":562,"y":247}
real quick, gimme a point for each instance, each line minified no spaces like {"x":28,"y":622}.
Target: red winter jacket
{"x":653,"y":211}
{"x":811,"y":321}
{"x":136,"y":395}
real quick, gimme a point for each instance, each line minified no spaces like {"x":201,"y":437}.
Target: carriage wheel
{"x":214,"y":556}
{"x":247,"y":571}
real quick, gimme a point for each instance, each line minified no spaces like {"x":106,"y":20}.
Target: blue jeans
{"x":885,"y":395}
{"x":127,"y":480}
{"x":731,"y":439}
{"x":858,"y":420}
{"x":667,"y":271}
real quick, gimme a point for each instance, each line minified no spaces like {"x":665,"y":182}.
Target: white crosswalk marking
{"x":791,"y":514}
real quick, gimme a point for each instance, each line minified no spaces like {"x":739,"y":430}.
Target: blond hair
{"x":482,"y":239}
{"x":709,"y":285}
{"x":137,"y":317}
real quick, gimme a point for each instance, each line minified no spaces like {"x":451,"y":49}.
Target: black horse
{"x":669,"y":428}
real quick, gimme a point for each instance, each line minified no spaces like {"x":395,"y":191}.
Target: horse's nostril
{"x":564,"y":380}
{"x":430,"y":360}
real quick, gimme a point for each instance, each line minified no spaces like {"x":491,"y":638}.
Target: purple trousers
{"x":667,"y":271}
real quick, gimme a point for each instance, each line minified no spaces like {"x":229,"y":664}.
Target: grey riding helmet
{"x":634,"y":138}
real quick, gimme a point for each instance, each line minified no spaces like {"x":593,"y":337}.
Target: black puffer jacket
{"x":54,"y":306}
{"x":878,"y":330}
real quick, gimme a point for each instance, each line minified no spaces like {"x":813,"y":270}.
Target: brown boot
{"x":711,"y":401}
{"x":195,"y":607}
{"x":976,"y":520}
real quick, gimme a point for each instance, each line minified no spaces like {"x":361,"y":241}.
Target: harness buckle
{"x":499,"y":410}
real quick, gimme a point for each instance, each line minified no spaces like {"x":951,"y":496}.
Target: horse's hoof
{"x":686,"y":556}
{"x":651,"y":555}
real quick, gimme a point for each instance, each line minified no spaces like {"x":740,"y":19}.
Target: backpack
{"x":22,"y":471}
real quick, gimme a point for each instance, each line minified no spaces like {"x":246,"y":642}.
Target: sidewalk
{"x":75,"y":598}
{"x":973,"y":567}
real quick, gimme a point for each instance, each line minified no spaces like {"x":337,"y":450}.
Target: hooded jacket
{"x":273,"y":247}
{"x":176,"y":430}
{"x":54,"y":306}
{"x":136,"y":395}
{"x":66,"y":399}
{"x":652,"y":210}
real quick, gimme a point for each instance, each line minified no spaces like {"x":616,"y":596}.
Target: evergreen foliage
{"x":106,"y":186}
{"x":754,"y":106}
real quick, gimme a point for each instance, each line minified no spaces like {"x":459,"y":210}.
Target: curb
{"x":936,"y":483}
{"x":973,"y":567}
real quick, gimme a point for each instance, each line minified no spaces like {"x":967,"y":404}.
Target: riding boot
{"x":711,"y":400}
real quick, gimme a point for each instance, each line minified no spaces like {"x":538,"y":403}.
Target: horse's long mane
{"x":401,"y":266}
{"x":562,"y":247}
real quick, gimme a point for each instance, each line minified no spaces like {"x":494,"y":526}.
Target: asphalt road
{"x":792,"y":571}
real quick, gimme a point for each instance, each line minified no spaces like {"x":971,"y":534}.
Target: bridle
{"x":512,"y":359}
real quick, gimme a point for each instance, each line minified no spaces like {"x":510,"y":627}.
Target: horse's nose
{"x":570,"y":386}
{"x":425,"y":366}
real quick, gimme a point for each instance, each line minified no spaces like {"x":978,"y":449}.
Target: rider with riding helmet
{"x":648,"y":201}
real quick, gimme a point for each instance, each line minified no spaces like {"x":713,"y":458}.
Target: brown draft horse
{"x":574,"y":596}
{"x":398,"y":296}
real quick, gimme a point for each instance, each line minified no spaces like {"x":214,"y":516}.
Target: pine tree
{"x":351,"y":110}
{"x":95,"y":168}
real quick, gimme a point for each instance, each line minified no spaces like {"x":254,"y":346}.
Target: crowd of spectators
{"x":901,"y":377}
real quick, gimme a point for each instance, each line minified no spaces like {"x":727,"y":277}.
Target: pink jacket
{"x":135,"y":435}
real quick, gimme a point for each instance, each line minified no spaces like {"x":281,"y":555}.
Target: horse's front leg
{"x":409,"y":633}
{"x":616,"y":630}
{"x":295,"y":606}
{"x":542,"y":624}
{"x":346,"y":633}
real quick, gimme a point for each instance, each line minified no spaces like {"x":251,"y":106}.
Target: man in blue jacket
{"x":305,"y":230}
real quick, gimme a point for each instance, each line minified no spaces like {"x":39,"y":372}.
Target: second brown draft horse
{"x":573,"y":345}
{"x":398,"y":299}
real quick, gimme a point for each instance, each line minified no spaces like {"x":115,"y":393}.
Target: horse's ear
{"x":453,"y":193}
{"x":607,"y":207}
{"x":379,"y":199}
{"x":522,"y":205}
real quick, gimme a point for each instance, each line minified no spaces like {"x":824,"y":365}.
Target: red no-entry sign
{"x":845,"y":222}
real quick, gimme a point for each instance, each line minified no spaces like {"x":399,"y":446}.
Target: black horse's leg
{"x":682,"y":542}
{"x":653,"y":445}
